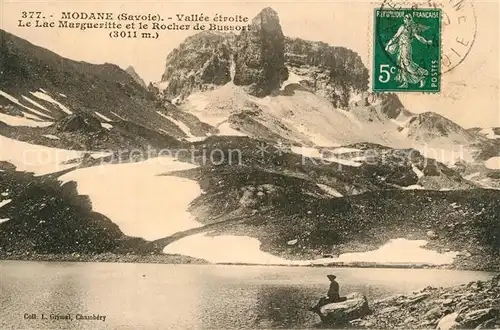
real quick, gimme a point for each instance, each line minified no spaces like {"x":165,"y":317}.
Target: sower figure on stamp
{"x":400,"y":44}
{"x":332,"y":296}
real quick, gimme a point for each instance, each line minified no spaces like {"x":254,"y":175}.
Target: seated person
{"x":332,"y":296}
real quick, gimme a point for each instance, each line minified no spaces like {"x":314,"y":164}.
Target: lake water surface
{"x":156,"y":296}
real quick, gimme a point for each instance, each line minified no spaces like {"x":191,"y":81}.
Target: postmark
{"x":407,"y":50}
{"x":458,"y":33}
{"x":459,"y":27}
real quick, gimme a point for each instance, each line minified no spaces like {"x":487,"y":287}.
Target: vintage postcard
{"x":249,"y":165}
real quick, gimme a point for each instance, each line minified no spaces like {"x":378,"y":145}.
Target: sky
{"x":469,"y":93}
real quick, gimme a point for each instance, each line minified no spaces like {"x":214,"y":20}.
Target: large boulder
{"x":79,"y":122}
{"x":355,"y":307}
{"x":260,"y":57}
{"x":448,"y":322}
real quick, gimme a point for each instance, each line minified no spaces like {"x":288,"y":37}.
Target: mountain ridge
{"x":322,"y":159}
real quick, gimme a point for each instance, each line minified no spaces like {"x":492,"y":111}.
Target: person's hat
{"x":331,"y":277}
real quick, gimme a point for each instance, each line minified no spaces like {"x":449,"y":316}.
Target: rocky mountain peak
{"x":131,"y":71}
{"x":334,"y":72}
{"x":429,"y":125}
{"x":267,"y":17}
{"x":201,"y":62}
{"x":260,"y":57}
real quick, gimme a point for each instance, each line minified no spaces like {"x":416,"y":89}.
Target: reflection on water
{"x":150,"y":296}
{"x":284,"y":307}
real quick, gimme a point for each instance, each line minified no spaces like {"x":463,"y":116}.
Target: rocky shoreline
{"x":106,"y":257}
{"x":475,"y":305}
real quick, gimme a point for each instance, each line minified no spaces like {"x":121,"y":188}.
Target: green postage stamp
{"x":407,"y":50}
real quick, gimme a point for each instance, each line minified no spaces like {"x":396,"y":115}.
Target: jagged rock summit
{"x":260,"y":57}
{"x":255,"y":59}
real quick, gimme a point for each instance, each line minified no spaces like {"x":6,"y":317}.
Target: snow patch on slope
{"x":23,"y":121}
{"x":102,"y":116}
{"x":489,"y":133}
{"x":330,"y":190}
{"x":4,"y":202}
{"x":107,"y":126}
{"x":306,"y":151}
{"x":472,"y":176}
{"x":196,"y":138}
{"x":44,"y":96}
{"x":418,"y":172}
{"x":226,"y":130}
{"x":36,"y":104}
{"x":314,"y":137}
{"x":35,"y":158}
{"x":315,"y":153}
{"x":232,"y":67}
{"x":50,"y":136}
{"x":117,"y":115}
{"x":16,"y":101}
{"x":292,"y":79}
{"x":402,"y":121}
{"x":344,"y":150}
{"x":449,"y":156}
{"x":137,"y":198}
{"x":493,"y":163}
{"x":413,"y":187}
{"x":354,"y":162}
{"x":183,"y":127}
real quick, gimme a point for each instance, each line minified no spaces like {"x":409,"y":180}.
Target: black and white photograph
{"x":249,"y":165}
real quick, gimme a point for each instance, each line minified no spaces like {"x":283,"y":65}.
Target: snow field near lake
{"x":137,"y":198}
{"x":223,"y":249}
{"x":400,"y":251}
{"x":241,"y":249}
